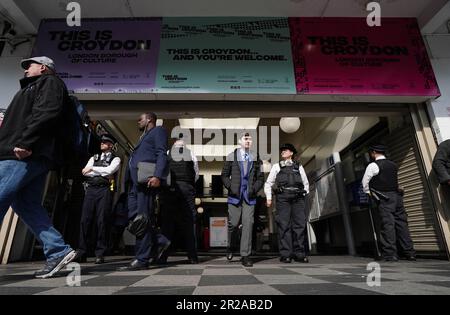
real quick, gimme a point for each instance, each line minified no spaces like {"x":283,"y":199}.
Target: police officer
{"x":288,"y":179}
{"x":380,"y":181}
{"x":178,"y":200}
{"x":99,"y":171}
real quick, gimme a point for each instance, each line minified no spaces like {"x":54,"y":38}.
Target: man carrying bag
{"x":146,"y":170}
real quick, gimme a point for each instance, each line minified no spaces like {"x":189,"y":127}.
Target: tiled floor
{"x":334,"y":275}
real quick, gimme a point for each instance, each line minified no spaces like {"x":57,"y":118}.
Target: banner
{"x":103,"y":55}
{"x":225,"y":55}
{"x":345,"y":56}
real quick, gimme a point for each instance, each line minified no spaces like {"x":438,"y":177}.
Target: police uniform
{"x":381,"y":182}
{"x":98,"y":200}
{"x":178,"y":199}
{"x":290,"y":184}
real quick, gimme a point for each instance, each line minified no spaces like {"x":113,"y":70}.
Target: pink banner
{"x":345,"y":56}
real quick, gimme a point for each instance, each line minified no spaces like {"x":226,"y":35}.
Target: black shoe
{"x":246,"y":262}
{"x":286,"y":260}
{"x":134,"y":266}
{"x":161,"y":249}
{"x":390,"y":259}
{"x":53,"y":266}
{"x":410,"y":257}
{"x":99,"y":260}
{"x":229,"y":254}
{"x":301,"y":259}
{"x":193,"y":260}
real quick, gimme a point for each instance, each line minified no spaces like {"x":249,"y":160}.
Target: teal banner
{"x":225,"y":55}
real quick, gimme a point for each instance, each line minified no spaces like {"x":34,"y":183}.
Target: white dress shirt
{"x":103,"y":170}
{"x":371,"y":171}
{"x":273,"y":175}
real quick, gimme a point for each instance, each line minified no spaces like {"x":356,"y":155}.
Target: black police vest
{"x":387,"y":179}
{"x":289,"y":176}
{"x":101,"y":180}
{"x":182,"y":167}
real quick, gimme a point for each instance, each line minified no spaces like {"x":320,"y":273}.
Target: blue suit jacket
{"x":151,"y":148}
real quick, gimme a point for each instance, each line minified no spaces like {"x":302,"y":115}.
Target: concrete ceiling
{"x":27,"y":14}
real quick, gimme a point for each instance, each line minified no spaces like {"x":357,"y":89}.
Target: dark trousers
{"x":178,"y":213}
{"x":141,"y":201}
{"x":96,"y":207}
{"x":291,"y":223}
{"x":394,"y":226}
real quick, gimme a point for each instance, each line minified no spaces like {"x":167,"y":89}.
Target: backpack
{"x":77,"y":134}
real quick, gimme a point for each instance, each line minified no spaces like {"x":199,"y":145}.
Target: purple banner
{"x":103,"y":55}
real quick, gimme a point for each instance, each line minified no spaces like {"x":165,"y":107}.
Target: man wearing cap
{"x":100,"y":171}
{"x":242,"y":177}
{"x":29,"y":148}
{"x":380,"y":181}
{"x":288,"y":179}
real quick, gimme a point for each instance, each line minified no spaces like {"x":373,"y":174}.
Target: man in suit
{"x":242,"y":177}
{"x":152,"y":148}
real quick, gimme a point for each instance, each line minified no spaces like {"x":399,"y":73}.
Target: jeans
{"x":22,"y":187}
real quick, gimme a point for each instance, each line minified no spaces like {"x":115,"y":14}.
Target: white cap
{"x":43,"y":60}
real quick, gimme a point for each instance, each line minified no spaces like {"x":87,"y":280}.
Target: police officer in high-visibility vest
{"x":100,"y":171}
{"x":290,"y":184}
{"x":380,"y":181}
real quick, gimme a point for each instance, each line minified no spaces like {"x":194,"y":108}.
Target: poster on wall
{"x":218,"y":231}
{"x":225,"y":55}
{"x":345,"y":56}
{"x":103,"y":55}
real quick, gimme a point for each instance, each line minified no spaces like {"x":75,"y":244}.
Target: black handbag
{"x":139,"y":225}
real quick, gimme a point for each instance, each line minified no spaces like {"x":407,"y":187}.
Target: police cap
{"x":108,"y":138}
{"x":378,"y":147}
{"x":289,"y":147}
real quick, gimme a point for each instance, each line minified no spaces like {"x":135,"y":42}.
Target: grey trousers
{"x":234,"y":215}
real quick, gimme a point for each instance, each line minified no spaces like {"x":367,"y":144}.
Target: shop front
{"x":345,"y":83}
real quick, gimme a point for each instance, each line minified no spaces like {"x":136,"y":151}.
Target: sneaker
{"x":53,"y":266}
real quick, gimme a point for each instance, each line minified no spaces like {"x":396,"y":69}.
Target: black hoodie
{"x":33,"y":119}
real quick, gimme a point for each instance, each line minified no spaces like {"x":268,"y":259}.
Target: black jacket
{"x":441,"y":162}
{"x":231,"y":176}
{"x":33,"y":119}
